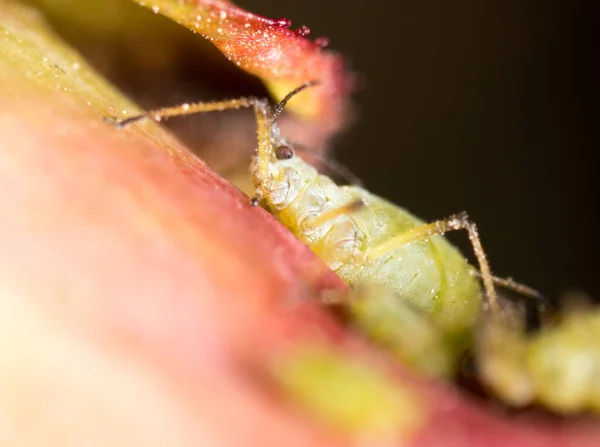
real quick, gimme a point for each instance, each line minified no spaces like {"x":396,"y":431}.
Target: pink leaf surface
{"x":270,"y":49}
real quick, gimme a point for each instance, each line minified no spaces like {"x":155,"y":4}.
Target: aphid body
{"x":365,"y":239}
{"x":558,"y":366}
{"x":375,"y":242}
{"x":431,"y":273}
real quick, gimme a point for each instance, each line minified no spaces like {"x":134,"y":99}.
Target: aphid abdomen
{"x":431,"y":274}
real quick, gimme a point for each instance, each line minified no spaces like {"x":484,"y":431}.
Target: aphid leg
{"x":459,"y":221}
{"x":189,"y":109}
{"x":263,"y":117}
{"x":511,"y":284}
{"x":266,"y":125}
{"x":539,"y":301}
{"x":349,"y":208}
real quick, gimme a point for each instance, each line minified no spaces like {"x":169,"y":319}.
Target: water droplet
{"x":303,"y":31}
{"x":282,"y":23}
{"x":156,"y":9}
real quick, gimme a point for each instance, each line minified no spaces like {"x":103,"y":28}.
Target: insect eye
{"x":284,"y":153}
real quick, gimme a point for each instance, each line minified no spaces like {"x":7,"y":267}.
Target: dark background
{"x":483,"y":106}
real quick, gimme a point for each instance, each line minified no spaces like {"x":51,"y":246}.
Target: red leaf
{"x":271,"y":50}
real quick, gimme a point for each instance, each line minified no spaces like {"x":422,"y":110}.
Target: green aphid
{"x":367,"y":240}
{"x":411,"y":292}
{"x":558,"y":366}
{"x":372,"y":244}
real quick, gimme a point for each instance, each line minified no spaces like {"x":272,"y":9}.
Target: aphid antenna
{"x":278,"y":109}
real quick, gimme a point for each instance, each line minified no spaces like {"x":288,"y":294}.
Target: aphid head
{"x":272,"y":148}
